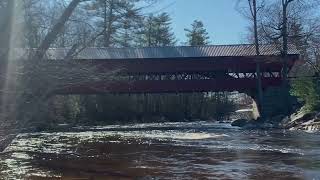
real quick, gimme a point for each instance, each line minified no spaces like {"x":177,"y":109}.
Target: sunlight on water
{"x":8,"y":97}
{"x":191,"y":136}
{"x":65,"y":141}
{"x":174,"y":135}
{"x":55,"y":142}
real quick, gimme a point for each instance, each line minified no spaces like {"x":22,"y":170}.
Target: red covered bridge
{"x":182,"y":69}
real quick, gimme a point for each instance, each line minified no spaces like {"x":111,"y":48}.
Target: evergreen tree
{"x":307,"y":90}
{"x":157,"y":32}
{"x":197,"y":35}
{"x":128,"y":28}
{"x":298,"y":38}
{"x":117,"y":19}
{"x":163,"y":32}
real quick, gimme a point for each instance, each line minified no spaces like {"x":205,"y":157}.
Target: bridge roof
{"x":171,"y":52}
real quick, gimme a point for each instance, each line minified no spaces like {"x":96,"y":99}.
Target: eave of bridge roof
{"x":177,"y":52}
{"x":174,"y":52}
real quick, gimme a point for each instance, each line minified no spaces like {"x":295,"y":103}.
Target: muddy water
{"x":163,"y":151}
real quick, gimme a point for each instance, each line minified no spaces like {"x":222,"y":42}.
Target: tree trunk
{"x":108,"y":27}
{"x":258,"y":67}
{"x":57,"y":28}
{"x":285,"y":84}
{"x":285,"y":41}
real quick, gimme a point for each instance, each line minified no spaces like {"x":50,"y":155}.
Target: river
{"x":199,"y":150}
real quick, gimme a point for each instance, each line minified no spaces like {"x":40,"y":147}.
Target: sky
{"x":221,"y":19}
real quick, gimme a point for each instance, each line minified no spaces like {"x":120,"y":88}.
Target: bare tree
{"x":291,"y":22}
{"x":253,"y":16}
{"x":39,"y":79}
{"x":285,"y":4}
{"x":278,"y":21}
{"x":52,"y":35}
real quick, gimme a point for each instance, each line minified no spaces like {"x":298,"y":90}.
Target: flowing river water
{"x":198,"y":150}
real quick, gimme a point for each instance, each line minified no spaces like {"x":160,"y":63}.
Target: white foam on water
{"x":64,"y":142}
{"x":172,"y":135}
{"x":192,"y":136}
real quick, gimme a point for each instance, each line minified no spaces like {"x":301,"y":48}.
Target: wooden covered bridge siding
{"x":162,"y":70}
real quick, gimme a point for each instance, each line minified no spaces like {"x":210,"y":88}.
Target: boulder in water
{"x":240,"y":122}
{"x":259,"y":125}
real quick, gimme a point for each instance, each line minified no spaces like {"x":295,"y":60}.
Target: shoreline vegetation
{"x":148,"y":108}
{"x":300,"y":120}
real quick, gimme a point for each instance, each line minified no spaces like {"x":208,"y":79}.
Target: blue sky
{"x":220,"y":17}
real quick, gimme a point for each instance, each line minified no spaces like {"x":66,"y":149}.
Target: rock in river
{"x":240,"y":122}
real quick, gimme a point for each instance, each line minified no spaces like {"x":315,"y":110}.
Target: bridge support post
{"x":285,"y":86}
{"x":256,"y":112}
{"x":273,"y":104}
{"x":260,"y":91}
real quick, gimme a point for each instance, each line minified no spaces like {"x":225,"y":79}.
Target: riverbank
{"x":304,"y":121}
{"x":301,"y":120}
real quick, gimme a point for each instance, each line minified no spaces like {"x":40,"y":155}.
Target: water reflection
{"x":208,"y":151}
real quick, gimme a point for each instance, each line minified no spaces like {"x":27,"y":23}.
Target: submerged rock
{"x":279,"y":118}
{"x":240,"y":122}
{"x":255,"y":124}
{"x":259,"y":125}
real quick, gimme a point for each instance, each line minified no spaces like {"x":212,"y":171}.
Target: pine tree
{"x":163,"y":32}
{"x":305,"y":89}
{"x":299,"y":38}
{"x":128,"y":27}
{"x":197,"y":35}
{"x":117,"y":19}
{"x":157,"y":32}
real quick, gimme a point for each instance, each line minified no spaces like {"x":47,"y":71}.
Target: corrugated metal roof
{"x":169,"y":52}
